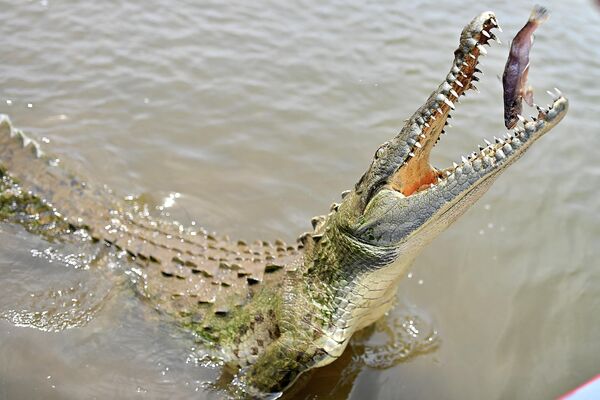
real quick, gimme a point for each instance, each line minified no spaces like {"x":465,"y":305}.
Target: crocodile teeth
{"x":449,"y":103}
{"x":486,"y":34}
{"x":459,"y":84}
{"x":487,"y":142}
{"x":418,"y":145}
{"x":464,"y":160}
{"x":482,"y":49}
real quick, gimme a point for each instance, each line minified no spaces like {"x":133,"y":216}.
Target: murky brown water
{"x":259,"y":114}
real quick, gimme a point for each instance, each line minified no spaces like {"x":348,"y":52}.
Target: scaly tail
{"x":39,"y":175}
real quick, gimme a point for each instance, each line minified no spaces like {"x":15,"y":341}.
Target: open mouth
{"x":415,"y":173}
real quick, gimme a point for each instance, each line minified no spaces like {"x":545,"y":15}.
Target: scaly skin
{"x":314,"y":296}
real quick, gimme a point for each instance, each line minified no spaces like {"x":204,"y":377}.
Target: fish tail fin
{"x":539,"y":14}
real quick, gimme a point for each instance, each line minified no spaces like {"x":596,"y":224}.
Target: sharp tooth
{"x":463,"y":74}
{"x":550,"y":93}
{"x":481,"y":147}
{"x":449,"y":103}
{"x":499,"y":29}
{"x":478,"y":71}
{"x":465,"y":64}
{"x":453,"y":93}
{"x":464,"y":160}
{"x":432,"y":117}
{"x":558,"y":92}
{"x":521,"y":118}
{"x":448,"y":173}
{"x":448,"y":125}
{"x":482,"y":49}
{"x":487,"y":142}
{"x":422,"y":135}
{"x":440,"y":111}
{"x":486,"y":34}
{"x":458,"y":83}
{"x":411,"y":154}
{"x":427,"y":124}
{"x":418,"y":145}
{"x":472,"y":56}
{"x":455,"y":165}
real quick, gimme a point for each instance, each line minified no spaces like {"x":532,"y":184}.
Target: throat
{"x":416,"y":175}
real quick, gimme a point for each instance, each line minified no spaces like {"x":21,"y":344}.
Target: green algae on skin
{"x":17,"y":206}
{"x":230,"y":330}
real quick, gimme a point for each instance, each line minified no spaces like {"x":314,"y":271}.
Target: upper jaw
{"x":401,"y":194}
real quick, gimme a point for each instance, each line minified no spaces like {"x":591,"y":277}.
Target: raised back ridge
{"x":185,"y":272}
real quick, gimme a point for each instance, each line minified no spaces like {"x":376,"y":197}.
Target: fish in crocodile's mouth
{"x":415,"y":173}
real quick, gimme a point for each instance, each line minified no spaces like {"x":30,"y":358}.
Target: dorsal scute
{"x":186,"y":271}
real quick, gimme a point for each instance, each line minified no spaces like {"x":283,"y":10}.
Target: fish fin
{"x":539,"y":14}
{"x":528,"y":96}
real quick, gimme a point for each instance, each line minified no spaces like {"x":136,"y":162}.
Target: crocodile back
{"x":182,"y":272}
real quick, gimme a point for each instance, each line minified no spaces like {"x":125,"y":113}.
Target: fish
{"x":514,"y":79}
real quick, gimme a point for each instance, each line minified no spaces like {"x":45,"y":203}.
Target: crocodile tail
{"x":35,"y":172}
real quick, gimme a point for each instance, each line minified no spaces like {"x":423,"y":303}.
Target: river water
{"x":251,"y":117}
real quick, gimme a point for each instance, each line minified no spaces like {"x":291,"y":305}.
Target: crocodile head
{"x":357,"y":254}
{"x":404,"y":201}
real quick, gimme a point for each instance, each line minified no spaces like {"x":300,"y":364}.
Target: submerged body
{"x":271,"y":309}
{"x":514,"y":79}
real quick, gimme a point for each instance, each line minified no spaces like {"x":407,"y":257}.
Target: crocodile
{"x":274,"y":310}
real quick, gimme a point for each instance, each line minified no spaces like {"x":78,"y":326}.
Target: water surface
{"x":258,"y":114}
